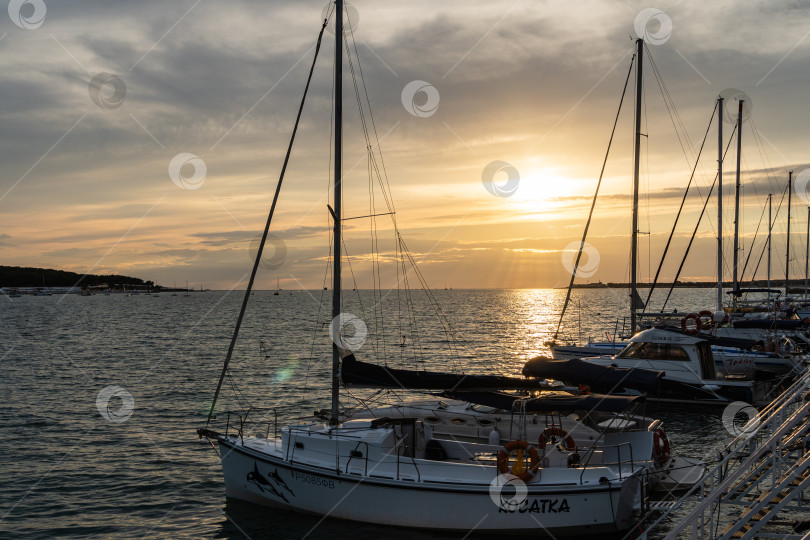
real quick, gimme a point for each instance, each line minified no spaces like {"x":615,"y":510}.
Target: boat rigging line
{"x":753,"y":240}
{"x":593,"y":202}
{"x":266,"y":230}
{"x":678,"y":215}
{"x":776,"y":215}
{"x":697,"y":225}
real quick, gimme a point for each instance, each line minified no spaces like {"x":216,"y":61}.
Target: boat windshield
{"x":654,"y":351}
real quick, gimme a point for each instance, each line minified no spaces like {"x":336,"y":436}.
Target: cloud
{"x":231,"y":237}
{"x":534,"y":84}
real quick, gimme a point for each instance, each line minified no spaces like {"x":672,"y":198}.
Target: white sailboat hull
{"x":727,"y":360}
{"x":422,"y":503}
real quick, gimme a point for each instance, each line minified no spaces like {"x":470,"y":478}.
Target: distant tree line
{"x":18,"y":276}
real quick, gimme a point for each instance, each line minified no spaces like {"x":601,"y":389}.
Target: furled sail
{"x":600,"y":378}
{"x":355,"y":372}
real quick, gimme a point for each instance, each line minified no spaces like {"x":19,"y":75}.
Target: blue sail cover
{"x":605,"y":379}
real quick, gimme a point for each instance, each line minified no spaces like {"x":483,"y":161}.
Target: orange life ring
{"x":661,"y":445}
{"x":556,"y":432}
{"x":696,"y":318}
{"x":706,"y":314}
{"x":508,"y":448}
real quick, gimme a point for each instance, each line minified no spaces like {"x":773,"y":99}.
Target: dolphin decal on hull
{"x":278,"y":480}
{"x":256,"y":478}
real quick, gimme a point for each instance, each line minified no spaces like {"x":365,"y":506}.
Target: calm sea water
{"x":72,"y":470}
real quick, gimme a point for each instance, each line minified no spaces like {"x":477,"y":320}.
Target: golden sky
{"x":103,"y":103}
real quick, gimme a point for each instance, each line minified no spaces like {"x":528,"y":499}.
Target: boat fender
{"x":686,"y":328}
{"x":560,"y":434}
{"x":520,"y":447}
{"x":661,"y":445}
{"x":494,"y":437}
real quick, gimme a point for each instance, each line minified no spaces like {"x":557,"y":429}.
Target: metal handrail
{"x":591,"y":451}
{"x":365,"y":456}
{"x":413,"y":462}
{"x":244,"y":421}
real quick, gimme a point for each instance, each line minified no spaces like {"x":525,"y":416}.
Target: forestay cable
{"x":697,"y":225}
{"x":266,"y":229}
{"x":680,"y":209}
{"x":593,"y":202}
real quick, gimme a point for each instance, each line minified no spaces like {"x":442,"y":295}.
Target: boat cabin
{"x":676,"y":351}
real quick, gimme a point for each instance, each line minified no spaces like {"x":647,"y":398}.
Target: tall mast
{"x":634,"y":241}
{"x":737,"y":203}
{"x":787,"y":241}
{"x":720,"y":205}
{"x":770,"y":226}
{"x":336,"y":212}
{"x":807,"y":253}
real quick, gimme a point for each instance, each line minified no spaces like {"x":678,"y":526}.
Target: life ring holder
{"x":508,"y":448}
{"x":661,"y":445}
{"x":698,"y":325}
{"x":570,"y":444}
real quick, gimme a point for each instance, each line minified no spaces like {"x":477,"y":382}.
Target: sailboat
{"x":392,"y":471}
{"x":733,"y":353}
{"x":278,"y":287}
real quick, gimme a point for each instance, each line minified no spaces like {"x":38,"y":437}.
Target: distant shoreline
{"x":24,"y":277}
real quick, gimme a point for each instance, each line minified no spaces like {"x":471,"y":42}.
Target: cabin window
{"x":654,"y":351}
{"x":706,"y":361}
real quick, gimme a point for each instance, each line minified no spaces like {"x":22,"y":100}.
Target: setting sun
{"x":543,"y":190}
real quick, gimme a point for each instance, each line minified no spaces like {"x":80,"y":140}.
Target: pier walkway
{"x":763,"y":471}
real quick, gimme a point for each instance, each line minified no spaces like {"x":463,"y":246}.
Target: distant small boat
{"x":277,"y":288}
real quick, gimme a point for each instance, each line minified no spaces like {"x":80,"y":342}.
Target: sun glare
{"x":542,"y":190}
